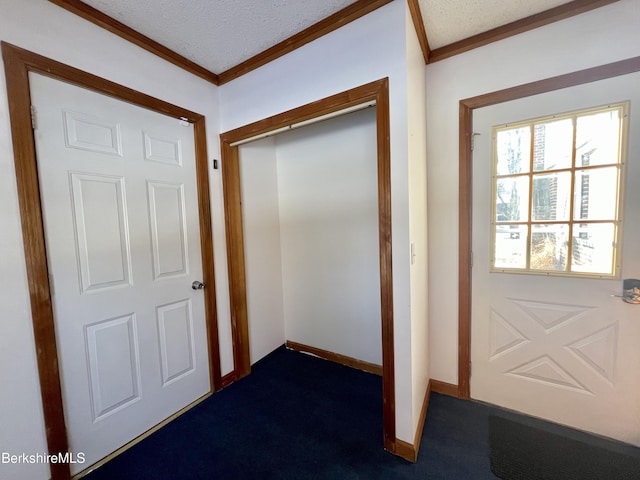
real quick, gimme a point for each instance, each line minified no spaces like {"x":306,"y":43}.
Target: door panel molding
{"x":18,"y":63}
{"x":466,"y":108}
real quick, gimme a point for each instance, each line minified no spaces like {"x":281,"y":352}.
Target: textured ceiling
{"x":220,"y":34}
{"x":447,"y":21}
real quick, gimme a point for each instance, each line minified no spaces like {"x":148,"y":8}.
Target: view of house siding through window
{"x":557,"y":193}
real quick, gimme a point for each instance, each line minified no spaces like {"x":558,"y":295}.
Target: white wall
{"x":327,"y":184}
{"x":263,"y":262}
{"x":368,"y":49}
{"x":601,"y":36}
{"x":417,"y":141}
{"x":45,"y":28}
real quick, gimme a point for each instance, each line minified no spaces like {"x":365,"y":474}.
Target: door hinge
{"x":34,"y":122}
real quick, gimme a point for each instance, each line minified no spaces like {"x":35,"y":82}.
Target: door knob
{"x":197,"y":285}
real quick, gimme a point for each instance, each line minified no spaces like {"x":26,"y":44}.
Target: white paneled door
{"x":118,"y":192}
{"x":557,"y":347}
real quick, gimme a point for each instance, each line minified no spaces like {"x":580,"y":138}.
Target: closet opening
{"x":308,"y":226}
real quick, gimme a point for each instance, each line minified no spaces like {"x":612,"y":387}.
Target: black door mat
{"x":524,"y":452}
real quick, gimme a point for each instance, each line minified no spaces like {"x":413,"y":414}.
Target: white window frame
{"x":530,"y":174}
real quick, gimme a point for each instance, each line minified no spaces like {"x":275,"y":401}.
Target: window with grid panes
{"x":557,"y":192}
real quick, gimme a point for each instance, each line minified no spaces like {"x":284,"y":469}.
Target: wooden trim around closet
{"x":103,"y":20}
{"x":541,"y":19}
{"x":377,"y":91}
{"x":18,"y":63}
{"x":235,"y":259}
{"x":623,"y":67}
{"x":339,"y":19}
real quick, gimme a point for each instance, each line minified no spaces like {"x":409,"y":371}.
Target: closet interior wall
{"x":310,"y":218}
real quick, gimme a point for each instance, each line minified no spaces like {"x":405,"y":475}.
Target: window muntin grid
{"x":557,"y":193}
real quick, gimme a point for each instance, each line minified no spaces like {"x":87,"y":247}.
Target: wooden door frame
{"x":377,"y":91}
{"x":18,"y":63}
{"x":467,"y":106}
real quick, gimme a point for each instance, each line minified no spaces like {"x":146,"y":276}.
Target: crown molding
{"x":315,"y":31}
{"x":552,"y":15}
{"x":114,"y":26}
{"x":348,"y":14}
{"x":418,"y":24}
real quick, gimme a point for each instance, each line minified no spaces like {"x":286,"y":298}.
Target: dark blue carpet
{"x":300,"y":417}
